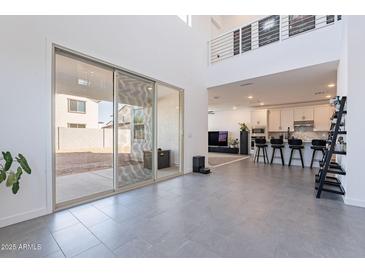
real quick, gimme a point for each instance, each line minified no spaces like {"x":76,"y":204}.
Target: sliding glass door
{"x":135,"y":108}
{"x":112,"y":130}
{"x":169,"y":131}
{"x":83,"y":128}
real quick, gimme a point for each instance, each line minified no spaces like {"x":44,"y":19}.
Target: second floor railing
{"x":263,"y":32}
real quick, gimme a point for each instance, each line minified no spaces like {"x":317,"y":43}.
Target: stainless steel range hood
{"x":307,"y":123}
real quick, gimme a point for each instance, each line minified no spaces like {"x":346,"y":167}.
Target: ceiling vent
{"x":319,"y":93}
{"x":246,"y":84}
{"x":211,"y":112}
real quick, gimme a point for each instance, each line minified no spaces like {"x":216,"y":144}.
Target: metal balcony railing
{"x":273,"y":28}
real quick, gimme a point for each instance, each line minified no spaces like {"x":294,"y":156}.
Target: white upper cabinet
{"x":281,"y":119}
{"x":322,"y":116}
{"x":287,"y":119}
{"x":274,"y":120}
{"x":303,"y":114}
{"x":259,"y":118}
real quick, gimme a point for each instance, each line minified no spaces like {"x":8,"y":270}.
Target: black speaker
{"x":244,"y":142}
{"x":198,"y":163}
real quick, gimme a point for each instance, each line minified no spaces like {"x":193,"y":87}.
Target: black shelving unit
{"x":323,"y":181}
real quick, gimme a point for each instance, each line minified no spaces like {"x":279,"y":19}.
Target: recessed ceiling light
{"x":328,"y":96}
{"x":250,"y":97}
{"x":216,"y":97}
{"x":149,"y":88}
{"x":234,"y":108}
{"x":331,"y":85}
{"x":83,"y":82}
{"x":261,"y":104}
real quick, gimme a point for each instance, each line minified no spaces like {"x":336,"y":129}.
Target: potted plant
{"x":233,"y":143}
{"x":243,"y":138}
{"x":243,"y":127}
{"x":11,"y":177}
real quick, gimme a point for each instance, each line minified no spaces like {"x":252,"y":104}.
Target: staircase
{"x":323,"y":181}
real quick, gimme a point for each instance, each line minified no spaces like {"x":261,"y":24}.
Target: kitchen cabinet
{"x":303,"y":114}
{"x":280,"y":120}
{"x":259,"y":118}
{"x":287,"y":119}
{"x":274,"y":120}
{"x":322,"y":116}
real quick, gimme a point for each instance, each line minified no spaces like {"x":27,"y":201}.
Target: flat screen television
{"x":218,"y":138}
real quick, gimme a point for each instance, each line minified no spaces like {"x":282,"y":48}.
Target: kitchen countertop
{"x":304,"y":141}
{"x":306,"y":152}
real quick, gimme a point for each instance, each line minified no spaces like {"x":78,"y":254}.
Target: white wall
{"x":168,"y":50}
{"x":228,"y":121}
{"x":342,"y":89}
{"x":315,"y":47}
{"x":225,"y":23}
{"x":352,"y":84}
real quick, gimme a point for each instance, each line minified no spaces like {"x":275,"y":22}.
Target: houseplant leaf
{"x":12,"y":178}
{"x":15,"y":188}
{"x":18,"y":173}
{"x":23,"y":163}
{"x":2,"y":176}
{"x":8,"y":160}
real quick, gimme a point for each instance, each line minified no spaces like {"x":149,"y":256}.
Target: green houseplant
{"x":11,"y":177}
{"x":243,"y":127}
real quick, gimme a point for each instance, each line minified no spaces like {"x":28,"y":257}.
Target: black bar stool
{"x":296,"y":144}
{"x":318,"y":145}
{"x":277,"y":144}
{"x":261,"y":145}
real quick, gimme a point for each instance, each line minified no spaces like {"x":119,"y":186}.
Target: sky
{"x":105,"y":111}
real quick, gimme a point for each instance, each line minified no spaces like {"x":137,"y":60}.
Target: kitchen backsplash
{"x":302,"y":133}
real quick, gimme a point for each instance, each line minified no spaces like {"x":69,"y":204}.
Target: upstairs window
{"x":76,"y":106}
{"x":301,"y":23}
{"x":236,"y":42}
{"x":269,"y":31}
{"x":246,"y":38}
{"x":330,"y":19}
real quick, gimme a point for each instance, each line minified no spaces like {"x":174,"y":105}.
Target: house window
{"x":73,"y":125}
{"x":76,"y":106}
{"x":269,"y":30}
{"x":301,"y":23}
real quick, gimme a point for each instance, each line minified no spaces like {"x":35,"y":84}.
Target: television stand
{"x":231,"y":150}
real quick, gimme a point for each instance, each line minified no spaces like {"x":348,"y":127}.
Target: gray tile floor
{"x":240,"y":210}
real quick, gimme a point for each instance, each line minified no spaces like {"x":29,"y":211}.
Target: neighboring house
{"x":124,"y":117}
{"x":76,"y":112}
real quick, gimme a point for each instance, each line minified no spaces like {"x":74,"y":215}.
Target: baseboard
{"x":21,"y":217}
{"x":354,"y":202}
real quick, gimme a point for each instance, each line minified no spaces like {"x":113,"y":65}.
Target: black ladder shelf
{"x":323,"y":182}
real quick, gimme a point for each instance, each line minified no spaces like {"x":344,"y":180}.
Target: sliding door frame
{"x":181,"y":132}
{"x":56,"y":207}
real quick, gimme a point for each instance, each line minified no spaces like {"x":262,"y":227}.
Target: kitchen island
{"x":306,"y":152}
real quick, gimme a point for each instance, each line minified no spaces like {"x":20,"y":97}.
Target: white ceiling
{"x":99,"y":80}
{"x":295,"y":86}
